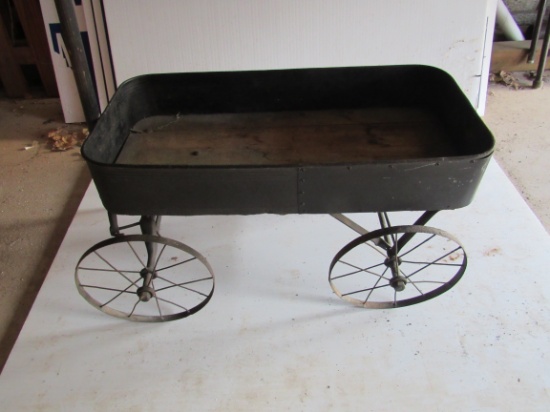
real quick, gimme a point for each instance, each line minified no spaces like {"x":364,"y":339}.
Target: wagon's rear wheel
{"x":397,"y":266}
{"x":122,"y":278}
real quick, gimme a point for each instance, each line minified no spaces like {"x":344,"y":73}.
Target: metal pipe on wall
{"x":542,"y":59}
{"x":536,"y":31}
{"x":81,"y":69}
{"x":506,"y":22}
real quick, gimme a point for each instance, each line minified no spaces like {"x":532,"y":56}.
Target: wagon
{"x":302,"y":141}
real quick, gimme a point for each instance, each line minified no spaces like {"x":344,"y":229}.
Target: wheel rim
{"x":113,"y":276}
{"x":378,"y":271}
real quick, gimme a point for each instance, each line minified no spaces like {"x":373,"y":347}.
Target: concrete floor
{"x":40,"y":190}
{"x":520,"y":122}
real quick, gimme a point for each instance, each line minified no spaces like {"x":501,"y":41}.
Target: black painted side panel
{"x":445,"y":184}
{"x":188,"y":191}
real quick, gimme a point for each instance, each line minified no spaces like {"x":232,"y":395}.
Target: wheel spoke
{"x":119,"y":294}
{"x":410,"y":281}
{"x":359,"y":270}
{"x":434,"y":262}
{"x":375,"y":284}
{"x":176,"y":264}
{"x":157,"y":300}
{"x":107,"y":270}
{"x":417,"y":246}
{"x":158,"y":307}
{"x":136,"y":255}
{"x":110,"y":289}
{"x":173,"y":285}
{"x":376,"y":248}
{"x":365,"y":290}
{"x":181,"y":285}
{"x":431,"y":263}
{"x":173,"y":303}
{"x":159,"y":256}
{"x":134,"y":308}
{"x":112,"y":267}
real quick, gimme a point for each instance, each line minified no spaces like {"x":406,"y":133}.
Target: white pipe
{"x":506,"y":22}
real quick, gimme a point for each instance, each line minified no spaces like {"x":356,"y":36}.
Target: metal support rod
{"x":115,"y":229}
{"x":425,"y":217}
{"x":79,"y":62}
{"x":350,"y":223}
{"x":403,"y":240}
{"x":421,"y":221}
{"x":536,"y":32}
{"x":149,"y":226}
{"x":384,"y":223}
{"x":113,"y":224}
{"x":358,"y":228}
{"x":537,"y":83}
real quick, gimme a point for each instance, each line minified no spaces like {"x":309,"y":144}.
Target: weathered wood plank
{"x":287,"y":138}
{"x":12,"y":77}
{"x":23,"y":55}
{"x":30,"y":15}
{"x":511,"y":56}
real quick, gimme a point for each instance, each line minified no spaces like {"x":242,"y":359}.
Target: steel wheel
{"x":124,"y":278}
{"x":397,"y":266}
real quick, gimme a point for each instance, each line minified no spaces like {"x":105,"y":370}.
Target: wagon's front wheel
{"x":397,"y":266}
{"x":121,"y":277}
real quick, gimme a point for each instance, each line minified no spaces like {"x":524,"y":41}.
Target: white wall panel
{"x":90,"y":21}
{"x":211,"y":35}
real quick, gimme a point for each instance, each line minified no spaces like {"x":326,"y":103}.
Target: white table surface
{"x":274,"y":337}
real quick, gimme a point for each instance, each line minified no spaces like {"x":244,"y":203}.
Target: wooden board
{"x":30,"y":15}
{"x":11,"y":75}
{"x":287,"y":138}
{"x":512,"y":56}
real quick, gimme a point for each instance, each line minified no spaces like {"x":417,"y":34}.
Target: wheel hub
{"x":398,"y":283}
{"x":146,"y":292}
{"x":392,"y":262}
{"x":148,"y":274}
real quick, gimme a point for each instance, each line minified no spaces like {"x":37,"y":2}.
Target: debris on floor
{"x":505,"y":78}
{"x":65,"y":138}
{"x":33,"y":145}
